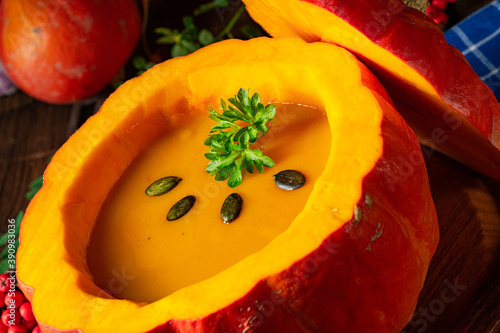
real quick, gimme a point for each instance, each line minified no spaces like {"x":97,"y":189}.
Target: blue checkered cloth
{"x":478,"y":38}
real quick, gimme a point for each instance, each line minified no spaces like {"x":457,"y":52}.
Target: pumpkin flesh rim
{"x":128,"y":108}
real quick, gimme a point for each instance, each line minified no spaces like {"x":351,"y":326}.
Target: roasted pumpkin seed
{"x":358,"y":215}
{"x":368,"y":201}
{"x":231,"y":208}
{"x":289,"y":179}
{"x":181,"y":208}
{"x":162,"y":186}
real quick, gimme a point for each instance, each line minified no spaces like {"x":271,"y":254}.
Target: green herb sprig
{"x":185,"y":41}
{"x":230,"y":143}
{"x":190,"y":38}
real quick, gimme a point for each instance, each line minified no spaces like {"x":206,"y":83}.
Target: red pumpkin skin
{"x":65,"y":51}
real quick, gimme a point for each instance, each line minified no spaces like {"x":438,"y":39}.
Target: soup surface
{"x":135,"y":253}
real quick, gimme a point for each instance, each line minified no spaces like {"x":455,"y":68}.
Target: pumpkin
{"x":65,"y":51}
{"x":432,"y":84}
{"x":354,"y":258}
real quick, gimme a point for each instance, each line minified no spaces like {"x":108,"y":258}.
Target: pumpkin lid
{"x":433,"y":86}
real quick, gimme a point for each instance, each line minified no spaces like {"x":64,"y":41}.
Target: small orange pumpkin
{"x":65,"y":51}
{"x":353,"y":260}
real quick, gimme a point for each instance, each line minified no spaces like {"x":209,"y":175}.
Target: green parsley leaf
{"x":3,"y":239}
{"x":185,"y":41}
{"x":205,"y":37}
{"x":230,"y":142}
{"x":34,"y":186}
{"x":4,"y":265}
{"x":250,"y":31}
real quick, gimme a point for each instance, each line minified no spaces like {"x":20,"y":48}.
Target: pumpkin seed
{"x":231,"y":208}
{"x":289,"y":179}
{"x":162,"y":186}
{"x":181,"y":208}
{"x":368,"y":201}
{"x":358,"y":215}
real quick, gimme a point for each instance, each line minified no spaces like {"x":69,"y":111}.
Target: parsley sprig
{"x":185,"y":41}
{"x":230,"y":142}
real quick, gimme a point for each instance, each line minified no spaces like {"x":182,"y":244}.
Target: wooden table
{"x":462,"y":291}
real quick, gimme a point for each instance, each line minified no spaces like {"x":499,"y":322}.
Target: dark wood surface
{"x":30,"y":133}
{"x":462,"y":291}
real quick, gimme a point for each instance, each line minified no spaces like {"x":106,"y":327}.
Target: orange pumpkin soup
{"x":135,"y":253}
